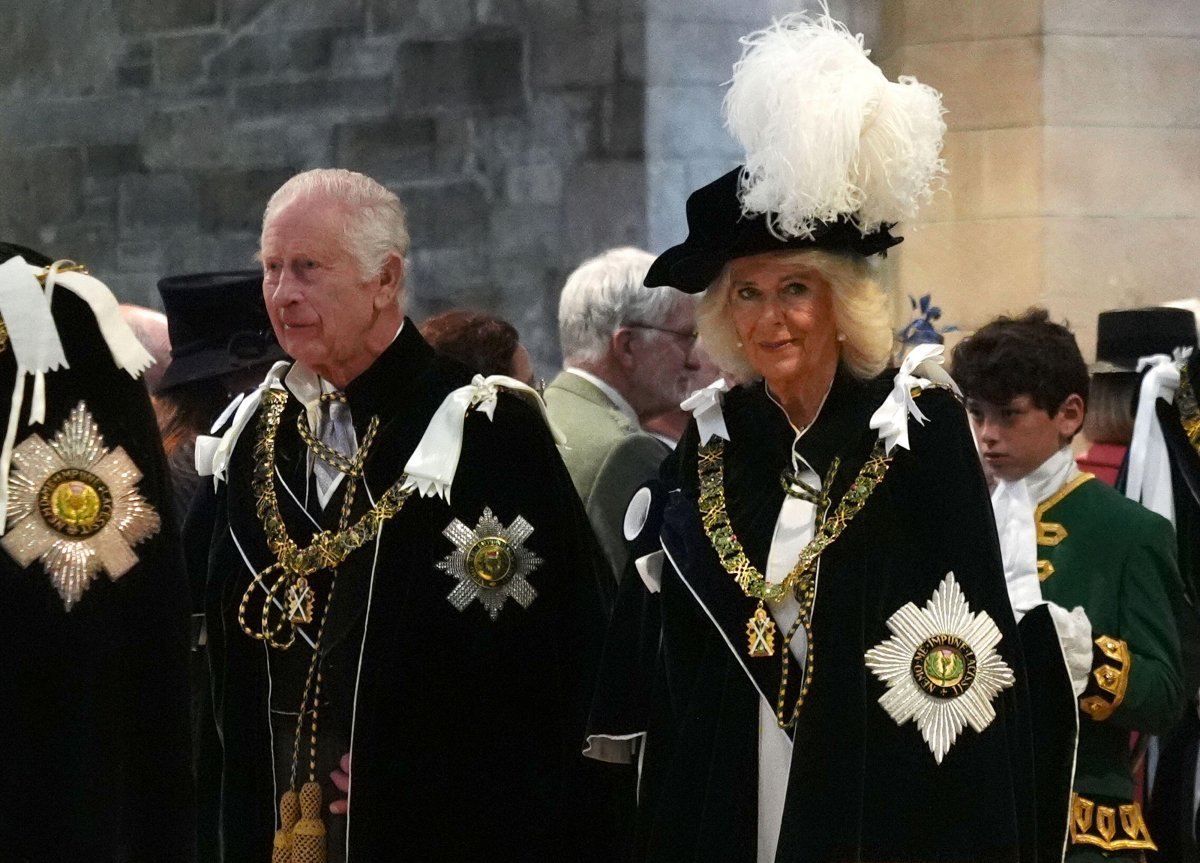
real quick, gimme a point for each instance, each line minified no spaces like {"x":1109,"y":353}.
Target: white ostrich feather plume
{"x":826,"y":134}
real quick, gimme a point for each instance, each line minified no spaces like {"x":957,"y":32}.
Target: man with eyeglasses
{"x":629,"y":354}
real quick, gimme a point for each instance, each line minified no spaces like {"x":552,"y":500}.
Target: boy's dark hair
{"x":1030,"y":355}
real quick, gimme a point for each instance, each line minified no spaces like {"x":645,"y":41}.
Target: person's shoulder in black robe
{"x":94,"y":701}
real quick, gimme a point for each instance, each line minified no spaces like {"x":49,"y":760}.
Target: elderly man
{"x":399,"y":578}
{"x":628,"y":353}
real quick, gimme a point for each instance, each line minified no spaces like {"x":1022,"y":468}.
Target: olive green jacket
{"x":609,"y":458}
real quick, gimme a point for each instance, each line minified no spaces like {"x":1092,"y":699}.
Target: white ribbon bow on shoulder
{"x":1149,"y":478}
{"x":431,"y":468}
{"x":920,"y":368}
{"x":705,"y":405}
{"x":213,"y":452}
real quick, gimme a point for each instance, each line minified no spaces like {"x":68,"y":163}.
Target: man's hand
{"x":341,"y":778}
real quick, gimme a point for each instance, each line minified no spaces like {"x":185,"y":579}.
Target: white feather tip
{"x":826,"y":134}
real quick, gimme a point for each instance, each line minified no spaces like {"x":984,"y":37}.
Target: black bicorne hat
{"x":218,"y":324}
{"x":1125,"y":335}
{"x":718,"y":232}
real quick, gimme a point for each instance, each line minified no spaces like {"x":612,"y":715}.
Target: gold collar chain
{"x":327,"y":549}
{"x":801,"y":580}
{"x":1189,"y":410}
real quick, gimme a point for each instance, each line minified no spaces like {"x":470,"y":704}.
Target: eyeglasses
{"x":688,"y":336}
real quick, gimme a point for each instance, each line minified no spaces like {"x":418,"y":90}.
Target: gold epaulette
{"x":1110,"y":678}
{"x":1109,"y":828}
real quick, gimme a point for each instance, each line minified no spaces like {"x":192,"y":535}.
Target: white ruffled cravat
{"x":1014,"y":504}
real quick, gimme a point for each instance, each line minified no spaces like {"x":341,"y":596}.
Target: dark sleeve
{"x":950,"y":514}
{"x":101,"y":708}
{"x":573,"y":580}
{"x":629,"y":464}
{"x":1135,"y":683}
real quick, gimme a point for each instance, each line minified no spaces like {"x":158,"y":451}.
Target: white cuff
{"x":650,"y":569}
{"x":1075,"y":635}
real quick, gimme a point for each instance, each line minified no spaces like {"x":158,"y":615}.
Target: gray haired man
{"x":628,"y":355}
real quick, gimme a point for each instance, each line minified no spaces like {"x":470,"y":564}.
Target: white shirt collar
{"x":1051,"y":475}
{"x":611,"y":394}
{"x":307,"y":386}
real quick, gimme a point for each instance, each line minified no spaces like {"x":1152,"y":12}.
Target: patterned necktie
{"x":337,"y":433}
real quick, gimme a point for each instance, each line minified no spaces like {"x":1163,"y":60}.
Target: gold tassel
{"x":308,"y":845}
{"x":289,"y":813}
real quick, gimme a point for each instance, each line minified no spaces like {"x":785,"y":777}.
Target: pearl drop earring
{"x":841,"y":337}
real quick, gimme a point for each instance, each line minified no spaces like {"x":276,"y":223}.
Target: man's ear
{"x":1069,"y":418}
{"x":391,"y":281}
{"x":621,"y":344}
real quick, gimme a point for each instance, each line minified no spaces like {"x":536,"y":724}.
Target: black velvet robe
{"x":94,"y":718}
{"x":466,"y":730}
{"x":1169,"y":812}
{"x":861,"y":788}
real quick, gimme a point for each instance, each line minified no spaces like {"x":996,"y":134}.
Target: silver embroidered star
{"x":490,"y":562}
{"x":74,"y":504}
{"x":941,"y":667}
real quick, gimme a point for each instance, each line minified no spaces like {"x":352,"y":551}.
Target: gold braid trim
{"x":801,"y":580}
{"x":1189,"y":409}
{"x":1112,"y":680}
{"x":3,"y":335}
{"x":327,"y":549}
{"x":1095,"y":824}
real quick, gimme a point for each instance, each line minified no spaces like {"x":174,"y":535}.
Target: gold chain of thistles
{"x":1189,"y":409}
{"x":801,"y":580}
{"x":326,"y":550}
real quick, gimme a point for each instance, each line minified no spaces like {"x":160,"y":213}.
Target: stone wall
{"x":144,"y":136}
{"x":1074,"y":153}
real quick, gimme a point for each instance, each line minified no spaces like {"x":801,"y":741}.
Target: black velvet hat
{"x":218,"y":324}
{"x":1124,"y":335}
{"x":718,"y":232}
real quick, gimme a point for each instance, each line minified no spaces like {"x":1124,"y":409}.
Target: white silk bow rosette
{"x":26,"y":312}
{"x":431,"y":468}
{"x":705,"y":406}
{"x":920,"y":369}
{"x":1149,"y":476}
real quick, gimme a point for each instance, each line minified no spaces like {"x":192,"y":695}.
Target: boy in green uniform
{"x":1072,"y":542}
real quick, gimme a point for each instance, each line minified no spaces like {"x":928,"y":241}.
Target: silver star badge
{"x":490,"y":563}
{"x":74,"y":504}
{"x":941,"y":667}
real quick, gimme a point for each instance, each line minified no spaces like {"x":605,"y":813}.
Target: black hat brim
{"x":718,"y":232}
{"x":213,"y":363}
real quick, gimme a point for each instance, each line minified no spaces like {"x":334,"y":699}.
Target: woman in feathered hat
{"x":831,"y":669}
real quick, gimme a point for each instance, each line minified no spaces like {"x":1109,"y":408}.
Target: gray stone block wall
{"x":143,"y":137}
